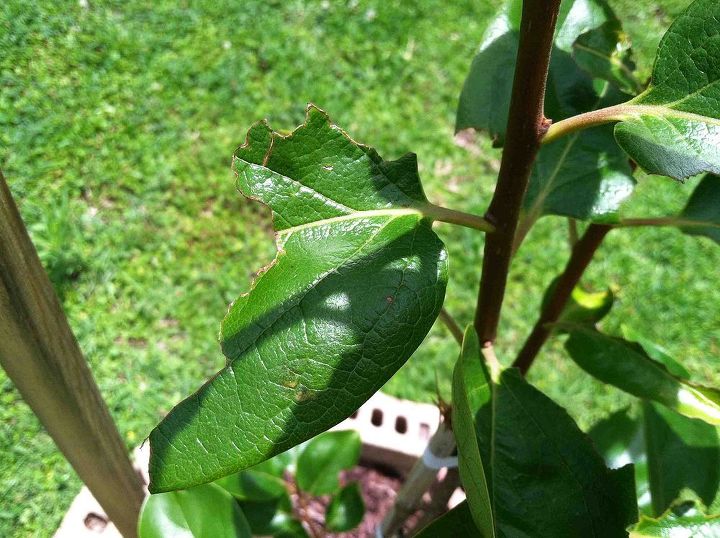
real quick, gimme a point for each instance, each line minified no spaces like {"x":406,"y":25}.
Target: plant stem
{"x":585,"y":121}
{"x":582,"y":254}
{"x":573,"y":235}
{"x":526,"y":127}
{"x":443,"y":214}
{"x":452,"y":325}
{"x":666,"y":221}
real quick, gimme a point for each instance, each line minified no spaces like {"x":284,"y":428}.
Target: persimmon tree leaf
{"x":605,"y":53}
{"x":673,"y":127}
{"x":620,"y":440}
{"x":628,"y":367}
{"x":683,"y":520}
{"x":682,"y":453}
{"x":583,"y":307}
{"x":470,"y":392}
{"x":346,"y":509}
{"x":205,"y":511}
{"x":261,"y":482}
{"x":485,"y":98}
{"x":322,"y":459}
{"x":703,"y":209}
{"x":273,"y":518}
{"x":357,"y":283}
{"x":670,"y":452}
{"x":535,"y":457}
{"x":584,"y":175}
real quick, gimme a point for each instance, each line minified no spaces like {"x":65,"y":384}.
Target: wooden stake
{"x":40,"y":354}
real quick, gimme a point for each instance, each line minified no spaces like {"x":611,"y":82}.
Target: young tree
{"x":360,"y":278}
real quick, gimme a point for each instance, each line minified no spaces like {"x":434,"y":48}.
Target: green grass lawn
{"x":117,"y":124}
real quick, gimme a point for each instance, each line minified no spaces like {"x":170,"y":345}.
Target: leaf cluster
{"x":360,"y":277}
{"x":268,"y":499}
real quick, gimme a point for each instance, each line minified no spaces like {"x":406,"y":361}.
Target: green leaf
{"x":619,"y":439}
{"x":681,"y":453}
{"x":323,"y":458}
{"x":535,"y":457}
{"x":453,"y":524}
{"x":656,"y":352}
{"x":673,"y":128}
{"x":358,"y":281}
{"x":485,"y":98}
{"x":628,"y":367}
{"x":703,"y":208}
{"x":346,"y":509}
{"x":682,"y":521}
{"x":470,"y":391}
{"x":583,"y":307}
{"x":205,"y":511}
{"x":584,"y":175}
{"x":604,"y":52}
{"x":273,"y":518}
{"x":259,"y":483}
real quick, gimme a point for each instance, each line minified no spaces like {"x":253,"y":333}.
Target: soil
{"x":379,"y":488}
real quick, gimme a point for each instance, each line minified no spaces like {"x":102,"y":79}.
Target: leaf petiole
{"x":451,"y":216}
{"x":585,"y":121}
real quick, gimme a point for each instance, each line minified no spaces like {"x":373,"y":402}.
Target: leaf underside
{"x":357,"y":283}
{"x":673,"y":128}
{"x":627,"y":366}
{"x":704,"y":207}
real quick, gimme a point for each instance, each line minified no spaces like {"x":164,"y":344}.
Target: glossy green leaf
{"x":620,"y":440}
{"x":681,"y":453}
{"x":273,"y":518}
{"x":683,"y":521}
{"x":626,"y":366}
{"x":346,"y":509}
{"x":584,"y":175}
{"x":535,"y":457}
{"x":357,"y":283}
{"x":656,"y":352}
{"x":584,"y":307}
{"x":673,"y":128}
{"x":604,"y":52}
{"x":703,"y":209}
{"x":259,"y":483}
{"x":485,"y":98}
{"x":470,"y":389}
{"x":323,"y":458}
{"x":456,"y":523}
{"x":205,"y":511}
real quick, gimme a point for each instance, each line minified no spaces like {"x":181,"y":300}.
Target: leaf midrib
{"x":664,"y":111}
{"x":394,"y":213}
{"x":322,"y":276}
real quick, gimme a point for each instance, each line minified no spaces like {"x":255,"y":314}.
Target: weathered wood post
{"x":40,"y":354}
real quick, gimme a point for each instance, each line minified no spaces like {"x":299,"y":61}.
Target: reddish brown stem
{"x":582,"y":254}
{"x":526,"y":127}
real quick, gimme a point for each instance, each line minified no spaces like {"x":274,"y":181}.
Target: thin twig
{"x":573,"y":235}
{"x":452,"y":325}
{"x":582,"y":254}
{"x":526,"y":127}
